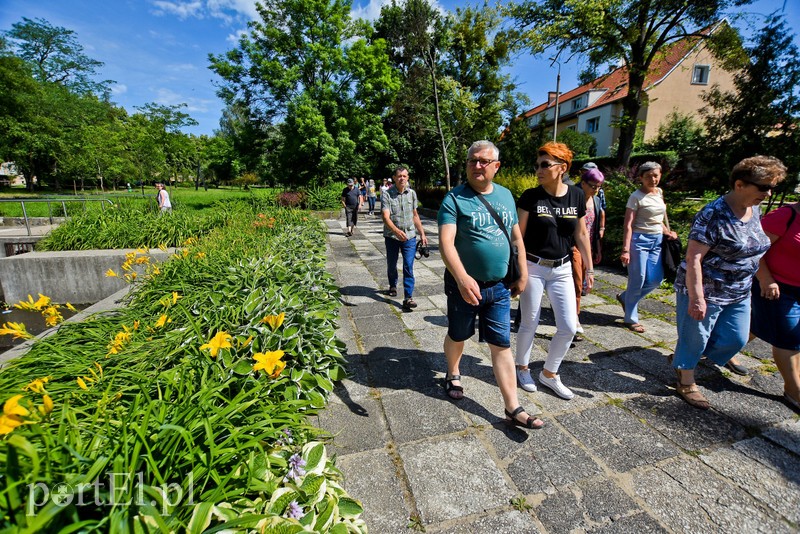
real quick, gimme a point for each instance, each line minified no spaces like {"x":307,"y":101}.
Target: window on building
{"x":577,"y":104}
{"x":700,"y":74}
{"x":572,"y":127}
{"x":593,"y":125}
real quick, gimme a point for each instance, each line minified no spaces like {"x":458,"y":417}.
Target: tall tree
{"x":632,"y":31}
{"x":306,"y":63}
{"x":762,"y":115}
{"x":56,"y":55}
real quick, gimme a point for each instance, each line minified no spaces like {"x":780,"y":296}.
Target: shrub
{"x":516,"y":181}
{"x":327,"y":198}
{"x":290,"y":199}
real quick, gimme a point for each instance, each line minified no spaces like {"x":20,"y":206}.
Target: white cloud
{"x":119,"y":89}
{"x":182,"y":10}
{"x":372,"y":10}
{"x":168,"y":97}
{"x":181,"y":67}
{"x":233,"y":38}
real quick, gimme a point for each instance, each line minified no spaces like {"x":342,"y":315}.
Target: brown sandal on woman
{"x":693,"y":396}
{"x":635,"y":327}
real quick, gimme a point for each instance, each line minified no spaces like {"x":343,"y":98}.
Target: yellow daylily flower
{"x":162,"y":247}
{"x":175,"y":297}
{"x":155,"y":271}
{"x":47,"y":407}
{"x":8,"y":423}
{"x":221,"y":340}
{"x":70,"y":307}
{"x":42,"y":302}
{"x":15,"y":329}
{"x":162,"y":321}
{"x":82,"y":384}
{"x":13,"y":408}
{"x":269,"y":362}
{"x":27,"y":305}
{"x":99,"y":368}
{"x":247,"y":342}
{"x":37,"y":386}
{"x":200,"y":255}
{"x":130,"y":256}
{"x":142,"y":250}
{"x":111,"y":273}
{"x":274,"y":321}
{"x":136,"y":324}
{"x":142,"y":259}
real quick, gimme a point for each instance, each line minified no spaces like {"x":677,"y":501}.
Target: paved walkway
{"x":625,"y":455}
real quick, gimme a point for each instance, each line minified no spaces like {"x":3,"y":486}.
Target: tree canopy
{"x":633,"y":32}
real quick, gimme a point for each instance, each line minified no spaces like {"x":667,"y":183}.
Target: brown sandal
{"x":635,"y":327}
{"x":693,"y":396}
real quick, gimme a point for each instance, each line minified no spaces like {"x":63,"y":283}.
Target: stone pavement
{"x":625,"y":455}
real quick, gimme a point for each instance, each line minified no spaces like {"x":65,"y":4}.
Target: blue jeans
{"x":645,"y":272}
{"x":494,"y":311}
{"x":393,"y":249}
{"x":371,"y":204}
{"x":719,"y":336}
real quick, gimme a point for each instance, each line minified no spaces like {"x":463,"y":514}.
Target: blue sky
{"x":157,"y":50}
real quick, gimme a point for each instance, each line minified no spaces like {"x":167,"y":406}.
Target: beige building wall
{"x":677,"y":92}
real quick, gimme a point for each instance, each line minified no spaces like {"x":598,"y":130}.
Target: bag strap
{"x":793,"y":209}
{"x":493,"y":213}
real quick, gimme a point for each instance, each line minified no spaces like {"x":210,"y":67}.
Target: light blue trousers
{"x":645,"y":272}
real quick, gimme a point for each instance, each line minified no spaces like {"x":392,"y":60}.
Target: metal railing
{"x":50,"y":202}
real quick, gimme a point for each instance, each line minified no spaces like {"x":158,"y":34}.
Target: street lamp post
{"x":558,"y":92}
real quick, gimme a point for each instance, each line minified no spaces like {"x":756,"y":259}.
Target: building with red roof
{"x":676,"y":81}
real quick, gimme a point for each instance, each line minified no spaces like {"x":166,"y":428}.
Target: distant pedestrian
{"x":362,"y":188}
{"x":401,"y":226}
{"x":371,"y":196}
{"x":162,"y":196}
{"x":351,"y":202}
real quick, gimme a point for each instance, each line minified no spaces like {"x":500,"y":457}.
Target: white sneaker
{"x":579,"y":329}
{"x":525,"y":380}
{"x":555,"y":384}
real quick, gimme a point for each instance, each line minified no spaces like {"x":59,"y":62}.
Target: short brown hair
{"x":758,"y":169}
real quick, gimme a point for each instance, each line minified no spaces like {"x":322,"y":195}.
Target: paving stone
{"x":786,"y":434}
{"x":408,"y":423}
{"x":605,"y":501}
{"x":383,"y":324}
{"x":460,"y":465}
{"x":368,"y":309}
{"x":658,"y":330}
{"x":773,"y":478}
{"x":404,"y":369}
{"x":560,"y":512}
{"x":656,"y":307}
{"x":684,"y":425}
{"x":634,"y":524}
{"x":617,"y":437}
{"x":616,"y":376}
{"x":356,"y":386}
{"x":381,"y":345}
{"x":748,"y":406}
{"x":385,"y":511}
{"x":354,"y":430}
{"x":503,"y":522}
{"x":617,"y":337}
{"x":687,"y":496}
{"x":541,"y":460}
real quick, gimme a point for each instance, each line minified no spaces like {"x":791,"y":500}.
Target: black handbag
{"x":513,"y":274}
{"x":671,"y":250}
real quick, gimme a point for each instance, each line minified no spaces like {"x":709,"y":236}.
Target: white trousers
{"x":557,"y":281}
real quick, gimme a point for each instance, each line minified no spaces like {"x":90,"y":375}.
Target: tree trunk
{"x":440,"y":131}
{"x":631,"y":105}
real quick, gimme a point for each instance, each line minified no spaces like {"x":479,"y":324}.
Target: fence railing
{"x":50,"y":201}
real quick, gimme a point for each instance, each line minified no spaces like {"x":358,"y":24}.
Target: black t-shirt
{"x":350,"y":196}
{"x":551,"y":221}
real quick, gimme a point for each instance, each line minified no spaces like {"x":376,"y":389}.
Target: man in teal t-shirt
{"x":476,"y":253}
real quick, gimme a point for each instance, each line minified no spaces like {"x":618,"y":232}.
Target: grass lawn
{"x":183,"y":198}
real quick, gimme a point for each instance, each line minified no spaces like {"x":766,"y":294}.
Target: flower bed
{"x":187,"y":409}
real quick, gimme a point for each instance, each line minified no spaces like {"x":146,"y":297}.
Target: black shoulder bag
{"x":513,"y":274}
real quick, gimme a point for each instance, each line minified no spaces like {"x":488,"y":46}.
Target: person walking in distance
{"x":401,"y":226}
{"x":351,"y":202}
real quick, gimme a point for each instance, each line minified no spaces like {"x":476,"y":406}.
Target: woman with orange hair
{"x":551,"y":219}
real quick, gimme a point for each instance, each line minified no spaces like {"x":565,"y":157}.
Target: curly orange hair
{"x":559,"y":151}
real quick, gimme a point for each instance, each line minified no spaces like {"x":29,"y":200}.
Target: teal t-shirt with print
{"x":481,"y":244}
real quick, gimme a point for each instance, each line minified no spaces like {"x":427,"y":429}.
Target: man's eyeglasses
{"x":761,"y":187}
{"x":481,"y":162}
{"x":593,"y":186}
{"x":545,"y":165}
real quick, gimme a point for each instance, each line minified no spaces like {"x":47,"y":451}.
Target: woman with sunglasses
{"x":551,"y":219}
{"x":644,"y":228}
{"x":713,"y":283}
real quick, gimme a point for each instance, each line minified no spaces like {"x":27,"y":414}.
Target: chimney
{"x":551,"y":96}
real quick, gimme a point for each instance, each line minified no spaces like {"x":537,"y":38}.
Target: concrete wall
{"x":73,"y":276}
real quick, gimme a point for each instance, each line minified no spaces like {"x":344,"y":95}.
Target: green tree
{"x":56,"y":55}
{"x":635,"y":32}
{"x":679,"y":133}
{"x":306,"y":64}
{"x":581,"y":143}
{"x":762,"y":115}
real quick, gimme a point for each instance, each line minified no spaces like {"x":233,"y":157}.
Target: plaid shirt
{"x":401,"y":208}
